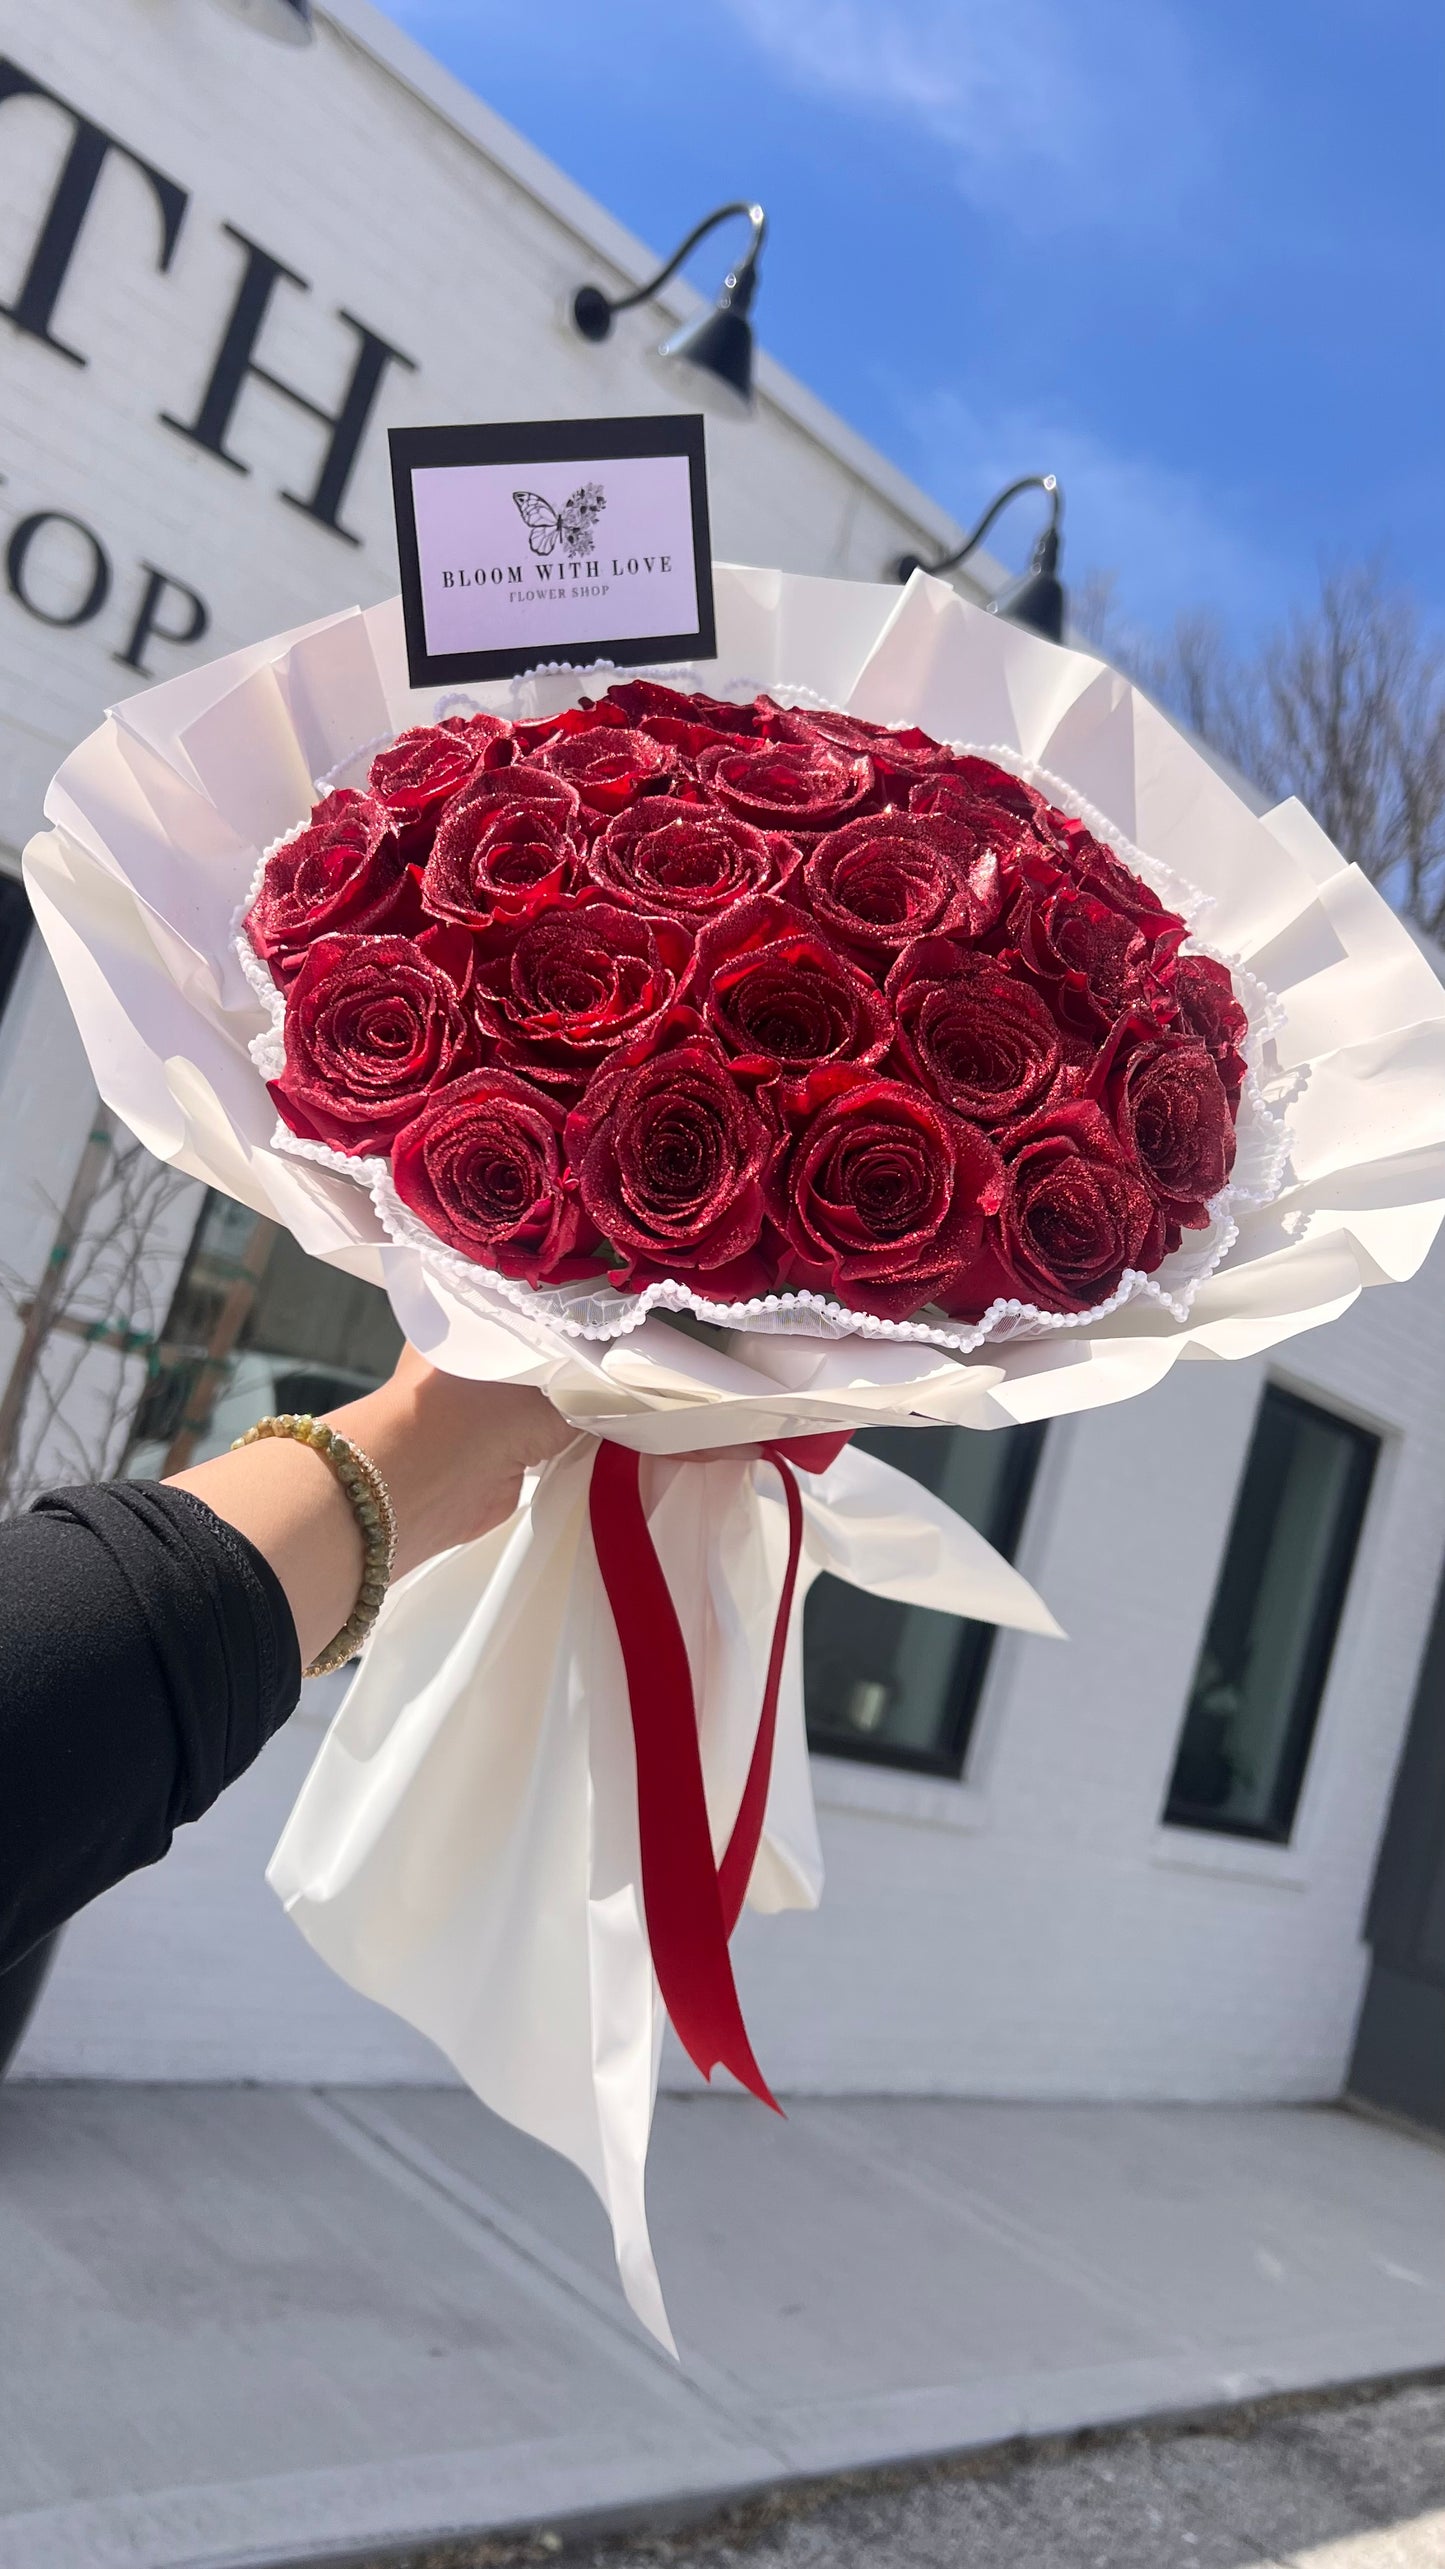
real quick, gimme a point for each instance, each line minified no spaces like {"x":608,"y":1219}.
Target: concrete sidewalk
{"x":241,"y":2325}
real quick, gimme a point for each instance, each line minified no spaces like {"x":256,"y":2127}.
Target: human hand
{"x":453,"y":1453}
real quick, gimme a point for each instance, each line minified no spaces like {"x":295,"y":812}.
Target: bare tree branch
{"x":1344,"y":707}
{"x":99,"y":1328}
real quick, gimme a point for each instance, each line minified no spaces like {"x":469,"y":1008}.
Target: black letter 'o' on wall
{"x":17,"y":554}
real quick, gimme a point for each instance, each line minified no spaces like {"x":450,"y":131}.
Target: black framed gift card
{"x":529,"y":541}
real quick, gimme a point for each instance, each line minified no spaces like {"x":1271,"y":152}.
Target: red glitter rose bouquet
{"x":911,"y":1029}
{"x":663,"y":990}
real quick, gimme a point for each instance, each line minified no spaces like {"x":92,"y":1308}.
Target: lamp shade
{"x":1036,"y":598}
{"x":289,"y":21}
{"x":717,"y":350}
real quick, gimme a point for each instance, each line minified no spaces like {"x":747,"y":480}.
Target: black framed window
{"x":900,"y":1685}
{"x":254,"y":1326}
{"x":15,"y":918}
{"x":1267,"y":1646}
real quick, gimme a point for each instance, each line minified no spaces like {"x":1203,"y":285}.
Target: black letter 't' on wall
{"x":34,"y":306}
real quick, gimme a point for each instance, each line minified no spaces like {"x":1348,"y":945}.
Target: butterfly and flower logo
{"x":570,"y":528}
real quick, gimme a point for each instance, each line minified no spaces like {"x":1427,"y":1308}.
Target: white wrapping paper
{"x":465,"y":1848}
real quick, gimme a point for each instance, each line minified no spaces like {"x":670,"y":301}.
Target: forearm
{"x":291,"y":1506}
{"x":146,"y":1655}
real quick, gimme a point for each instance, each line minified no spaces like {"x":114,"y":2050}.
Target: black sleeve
{"x":146,"y":1653}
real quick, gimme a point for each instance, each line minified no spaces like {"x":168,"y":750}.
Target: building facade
{"x":1137,"y":1864}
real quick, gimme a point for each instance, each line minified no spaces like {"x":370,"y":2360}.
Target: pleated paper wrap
{"x":466,"y":1846}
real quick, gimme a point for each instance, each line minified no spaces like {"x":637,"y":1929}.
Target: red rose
{"x":1092,"y":958}
{"x":607,"y":763}
{"x":482,"y":1165}
{"x":1169,"y":1106}
{"x":786,"y":784}
{"x":784,"y":1003}
{"x":980,"y":1039}
{"x":373,"y":1024}
{"x":342,"y":874}
{"x":640,"y":699}
{"x":878,"y":883}
{"x":1016,"y":826}
{"x":684,"y":860}
{"x":1205,"y":996}
{"x":907,"y":753}
{"x":884,"y":1198}
{"x":690,"y":723}
{"x":981,"y":784}
{"x":1097,"y":870}
{"x":559,"y":994}
{"x":424,"y":768}
{"x":586,"y":715}
{"x":671,"y":1155}
{"x":503,"y":849}
{"x":1076,"y":1214}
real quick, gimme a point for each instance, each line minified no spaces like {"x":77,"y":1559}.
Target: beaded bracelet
{"x":370,"y":1505}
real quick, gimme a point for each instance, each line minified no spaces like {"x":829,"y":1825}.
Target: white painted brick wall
{"x":1032,"y":1932}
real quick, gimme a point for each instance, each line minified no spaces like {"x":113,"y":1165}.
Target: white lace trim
{"x":602,"y":1311}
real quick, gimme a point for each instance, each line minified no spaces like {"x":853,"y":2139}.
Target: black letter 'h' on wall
{"x":235,"y":360}
{"x":34,"y":306}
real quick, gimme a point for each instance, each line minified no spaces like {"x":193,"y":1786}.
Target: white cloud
{"x":1168,"y":539}
{"x":1049,"y":110}
{"x":1085,"y":115}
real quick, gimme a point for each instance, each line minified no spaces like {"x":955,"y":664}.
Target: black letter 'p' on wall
{"x":148,"y":626}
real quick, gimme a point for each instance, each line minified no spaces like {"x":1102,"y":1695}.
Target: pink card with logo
{"x":524,"y":543}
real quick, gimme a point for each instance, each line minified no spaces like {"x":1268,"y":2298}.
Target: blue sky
{"x":1185,"y":253}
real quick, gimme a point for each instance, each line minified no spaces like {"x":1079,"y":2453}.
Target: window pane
{"x":313,"y":1319}
{"x":14,"y":931}
{"x":255,"y":1326}
{"x":1271,"y":1630}
{"x":901,"y":1684}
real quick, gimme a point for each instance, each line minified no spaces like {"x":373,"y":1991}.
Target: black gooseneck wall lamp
{"x":718,"y":345}
{"x":290,"y":21}
{"x":1036,"y":598}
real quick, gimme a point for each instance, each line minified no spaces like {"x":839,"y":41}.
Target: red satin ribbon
{"x":692,"y":1904}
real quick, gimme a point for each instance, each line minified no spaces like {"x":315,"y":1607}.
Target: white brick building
{"x":1030,"y":1926}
